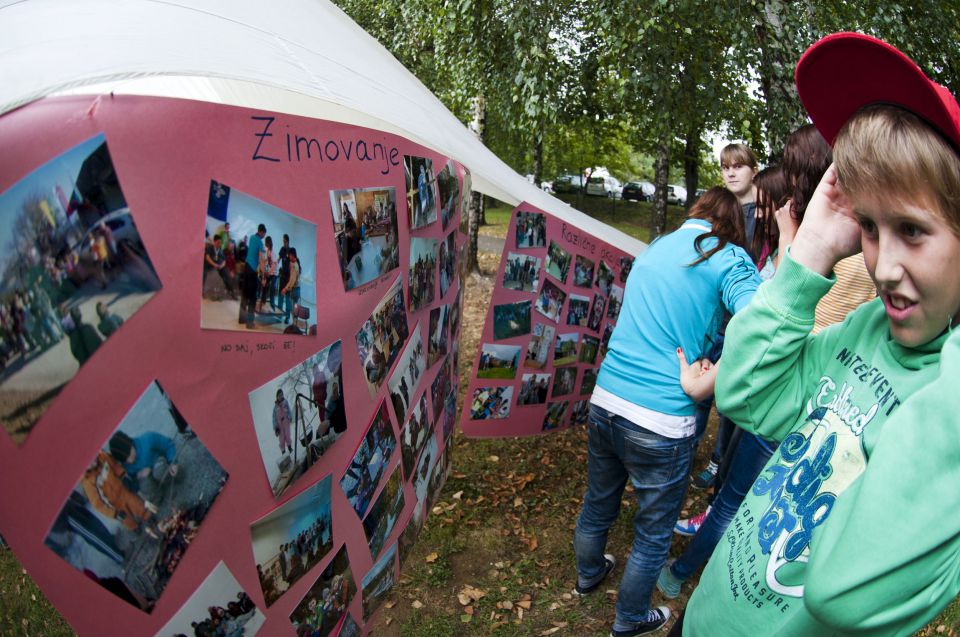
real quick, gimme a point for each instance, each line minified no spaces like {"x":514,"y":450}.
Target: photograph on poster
{"x":381,"y":336}
{"x":292,"y":539}
{"x":448,"y":262}
{"x":349,"y":627}
{"x":455,"y":312}
{"x":563,"y":381}
{"x":365,"y":233}
{"x":449,"y":190}
{"x":550,"y":301}
{"x":74,"y":269}
{"x":578,"y":311}
{"x":616,"y":300}
{"x":378,"y":582}
{"x":498,"y":361}
{"x":438,"y":477}
{"x":449,"y":415}
{"x":219,"y":607}
{"x":558,"y":262}
{"x":565,"y":349}
{"x":242,"y":276}
{"x":414,"y":435}
{"x":324,"y":605}
{"x":604,"y":278}
{"x":556,"y":414}
{"x":605,"y":339}
{"x":491,"y":403}
{"x":439,"y":388}
{"x":361,"y":478}
{"x":531,"y":230}
{"x":383,"y":513}
{"x":589,"y":382}
{"x":421,"y":197}
{"x":423,"y":272}
{"x":581,"y":412}
{"x":140,"y":502}
{"x":533,"y":389}
{"x":589,"y":349}
{"x":411,"y":531}
{"x":511,"y":319}
{"x":465,"y":202}
{"x":583,"y":272}
{"x":540,"y":346}
{"x":298,"y":416}
{"x":596,"y":312}
{"x":439,"y":334}
{"x":421,"y":476}
{"x":626,"y":264}
{"x":521,"y":273}
{"x":405,"y":380}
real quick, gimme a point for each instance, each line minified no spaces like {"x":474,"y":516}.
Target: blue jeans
{"x":292,"y":298}
{"x":748,"y":460}
{"x":657,"y":467}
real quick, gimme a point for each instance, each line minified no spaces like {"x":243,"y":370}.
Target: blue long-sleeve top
{"x":150,"y":446}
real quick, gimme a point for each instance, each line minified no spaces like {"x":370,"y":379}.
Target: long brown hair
{"x":806,"y":156}
{"x":720,"y":207}
{"x":772,"y":193}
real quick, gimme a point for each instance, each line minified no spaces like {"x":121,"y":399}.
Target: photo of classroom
{"x":421,"y":192}
{"x":365,"y":232}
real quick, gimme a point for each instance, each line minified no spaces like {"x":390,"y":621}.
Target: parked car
{"x":676,"y":195}
{"x":604,"y":187}
{"x":567,"y":183}
{"x":638,"y":191}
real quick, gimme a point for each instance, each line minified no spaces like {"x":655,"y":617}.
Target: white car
{"x":604,"y":187}
{"x":676,"y":195}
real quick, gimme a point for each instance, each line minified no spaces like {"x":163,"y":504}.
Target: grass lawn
{"x":498,"y":372}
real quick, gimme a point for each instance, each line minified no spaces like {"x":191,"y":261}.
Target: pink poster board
{"x":555,"y":301}
{"x":183,"y":170}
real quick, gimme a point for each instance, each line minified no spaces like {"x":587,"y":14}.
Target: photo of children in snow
{"x":521,"y":272}
{"x":365,"y":232}
{"x":421,"y":197}
{"x":384,"y":512}
{"x":74,"y":269}
{"x":423,"y":272}
{"x":292,"y":539}
{"x":531,"y":230}
{"x":405,"y":380}
{"x":219,"y":607}
{"x":325,"y":604}
{"x":449,"y":188}
{"x":359,"y":481}
{"x":298,"y":416}
{"x":139,"y":503}
{"x":258,"y":266}
{"x":381,"y":336}
{"x":498,"y":361}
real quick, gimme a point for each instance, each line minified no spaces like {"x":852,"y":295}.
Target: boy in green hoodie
{"x":852,"y":525}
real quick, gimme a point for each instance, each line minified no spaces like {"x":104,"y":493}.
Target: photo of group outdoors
{"x":421,"y":197}
{"x":616,"y":300}
{"x":449,"y":414}
{"x":533,"y":389}
{"x":219,"y":607}
{"x":380,"y":337}
{"x":414,"y":435}
{"x":596,"y":312}
{"x":540,"y":346}
{"x":447,"y":262}
{"x":406,"y":377}
{"x":491,"y":403}
{"x":360,"y":480}
{"x":589,"y":382}
{"x":383,"y":514}
{"x":455,"y":310}
{"x":411,"y":531}
{"x":292,"y":539}
{"x":550,"y":301}
{"x":139,"y":503}
{"x":580,"y":413}
{"x":605,"y":339}
{"x":421,"y":476}
{"x":74,"y":269}
{"x":589,"y":349}
{"x":565,"y":349}
{"x":498,"y":361}
{"x":298,"y":416}
{"x":521,"y":273}
{"x":578,"y":311}
{"x":439,"y":388}
{"x":349,"y":627}
{"x":511,"y":319}
{"x":556,"y":414}
{"x":449,"y":187}
{"x":604,"y":278}
{"x":563,"y":381}
{"x":324,"y":606}
{"x":583,"y":272}
{"x":438,"y":477}
{"x":259,"y":269}
{"x":626,"y":264}
{"x":439,"y":337}
{"x":378,"y":582}
{"x":423,"y":272}
{"x":365,"y":231}
{"x":558,"y":262}
{"x":531,"y":230}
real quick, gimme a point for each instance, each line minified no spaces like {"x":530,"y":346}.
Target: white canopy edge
{"x":298,"y":57}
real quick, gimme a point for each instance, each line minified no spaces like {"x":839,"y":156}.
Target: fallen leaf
{"x":525,"y":604}
{"x":466,"y":619}
{"x":532,"y":543}
{"x":468,"y":610}
{"x":549,"y":631}
{"x":494,"y":458}
{"x":430,"y":559}
{"x":390,"y":604}
{"x":389,"y":620}
{"x":417,"y":603}
{"x":458,"y":495}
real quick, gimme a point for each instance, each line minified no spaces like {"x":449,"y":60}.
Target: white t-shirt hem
{"x":666,"y":425}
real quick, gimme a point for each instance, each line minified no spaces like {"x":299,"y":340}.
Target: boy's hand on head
{"x":829,"y":231}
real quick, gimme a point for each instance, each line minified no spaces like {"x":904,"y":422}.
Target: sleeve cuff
{"x":795,"y":289}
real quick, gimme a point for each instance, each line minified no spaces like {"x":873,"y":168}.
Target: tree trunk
{"x":538,"y":158}
{"x":661,"y":167}
{"x":471,"y":263}
{"x":479,"y":128}
{"x":691,"y":166}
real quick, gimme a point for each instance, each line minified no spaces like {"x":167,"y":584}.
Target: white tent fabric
{"x":300,"y":57}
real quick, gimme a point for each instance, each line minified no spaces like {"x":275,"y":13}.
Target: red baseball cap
{"x":845,"y":71}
